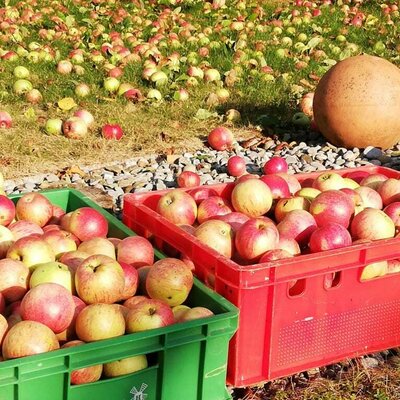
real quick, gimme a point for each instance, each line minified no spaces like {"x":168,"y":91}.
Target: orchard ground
{"x":267,"y":58}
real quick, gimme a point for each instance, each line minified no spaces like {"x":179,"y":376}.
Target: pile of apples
{"x":275,"y":216}
{"x":63,"y":283}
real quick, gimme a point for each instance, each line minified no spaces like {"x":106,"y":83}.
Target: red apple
{"x":289,"y":245}
{"x":389,"y":191}
{"x":96,"y":246}
{"x":373,"y":180}
{"x":355,"y":198}
{"x":149,"y":314}
{"x":132,"y":301}
{"x":27,"y":338}
{"x":196,"y":313}
{"x":73,"y":259}
{"x":22,"y":229}
{"x":5,"y":120}
{"x":298,"y":225}
{"x":220,"y":138}
{"x":58,"y":212}
{"x":274,"y":254}
{"x":177,"y":207}
{"x":218,"y":235}
{"x":275,"y":165}
{"x":99,"y":321}
{"x":60,"y":241}
{"x":188,"y":179}
{"x":7,"y":210}
{"x":372,"y":224}
{"x":131,"y":280}
{"x":255,"y":237}
{"x":74,"y":128}
{"x":14,"y":279}
{"x":34,"y":207}
{"x":252,"y":197}
{"x":236,"y":166}
{"x":69,"y":333}
{"x":211,"y":207}
{"x":370,"y":197}
{"x":294,"y":184}
{"x":136,"y":251}
{"x":112,"y":131}
{"x":169,"y":280}
{"x":328,"y":237}
{"x":99,"y":279}
{"x":50,"y":304}
{"x":245,"y":177}
{"x":234,"y":219}
{"x":393,"y":211}
{"x":202,"y":193}
{"x":86,"y":374}
{"x":86,"y":223}
{"x":278,"y":186}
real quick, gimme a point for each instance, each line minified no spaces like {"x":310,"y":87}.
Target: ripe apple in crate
{"x":328,"y":181}
{"x":22,"y":229}
{"x":252,"y":197}
{"x":169,"y":280}
{"x":127,"y":365}
{"x":34,"y":207}
{"x":136,"y":251}
{"x":275,"y":254}
{"x":393,"y":211}
{"x":297,"y":225}
{"x":14,"y":279}
{"x":53,"y":272}
{"x":99,"y":321}
{"x":212,"y":207}
{"x":178,"y":311}
{"x":372,"y":224}
{"x":328,"y":237}
{"x":389,"y":191}
{"x":50,"y":304}
{"x":60,"y":241}
{"x":7,"y":210}
{"x":255,"y":237}
{"x":87,"y":223}
{"x":332,"y":206}
{"x":294,"y":184}
{"x":356,"y":199}
{"x":131,"y":280}
{"x":6,"y":240}
{"x":69,"y":333}
{"x":284,"y":206}
{"x":220,"y":138}
{"x":218,"y":235}
{"x":373,"y":181}
{"x":3,"y":328}
{"x":201,"y":193}
{"x":370,"y":197}
{"x":275,"y":165}
{"x":132,"y":301}
{"x":234,"y":219}
{"x":149,"y":314}
{"x":236,"y":166}
{"x":177,"y":207}
{"x":31,"y":250}
{"x":278,"y":186}
{"x":196,"y":313}
{"x":288,"y":244}
{"x":99,"y":279}
{"x":188,"y":179}
{"x":308,"y":193}
{"x":73,"y":259}
{"x":86,"y":374}
{"x":374,"y":270}
{"x":98,"y":245}
{"x":27,"y":338}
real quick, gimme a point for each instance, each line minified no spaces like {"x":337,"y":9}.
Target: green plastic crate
{"x":188,"y":361}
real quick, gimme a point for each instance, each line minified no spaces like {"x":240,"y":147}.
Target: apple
{"x":328,"y":181}
{"x":212,"y":206}
{"x":31,"y":250}
{"x":87,"y":223}
{"x":112,"y":131}
{"x":252,"y":197}
{"x":132,"y":301}
{"x":53,"y":126}
{"x":177,"y":207}
{"x":170,"y":280}
{"x":202,"y":193}
{"x":178,"y":311}
{"x":136,"y":251}
{"x":278,"y":186}
{"x":3,"y":328}
{"x":328,"y":237}
{"x":284,"y":206}
{"x":64,"y":67}
{"x":97,"y":245}
{"x":220,"y":138}
{"x":7,"y":210}
{"x":389,"y":190}
{"x":73,"y":259}
{"x":111,"y":84}
{"x":290,"y":245}
{"x":218,"y":235}
{"x":350,"y":183}
{"x":255,"y":237}
{"x":370,"y":197}
{"x":99,"y":321}
{"x":99,"y":279}
{"x":234,"y":219}
{"x":374,"y":270}
{"x":373,"y":180}
{"x":294,"y":184}
{"x":74,"y":128}
{"x":5,"y":120}
{"x":393,"y":211}
{"x":22,"y":86}
{"x":125,"y":366}
{"x":306,"y":104}
{"x":245,"y":177}
{"x":50,"y":304}
{"x":131,"y":276}
{"x":34,"y":207}
{"x":308,"y":193}
{"x":85,"y":116}
{"x":82,"y":90}
{"x":60,"y":241}
{"x":393,"y":266}
{"x":21,"y":72}
{"x":2,"y":303}
{"x":372,"y":224}
{"x":236,"y":166}
{"x":33,"y":96}
{"x":6,"y":240}
{"x":27,"y":338}
{"x":14,"y":279}
{"x":188,"y":179}
{"x":332,"y":206}
{"x":298,"y":225}
{"x":196,"y":313}
{"x":274,"y":254}
{"x":149,"y":314}
{"x":86,"y":374}
{"x":275,"y":165}
{"x":55,"y":272}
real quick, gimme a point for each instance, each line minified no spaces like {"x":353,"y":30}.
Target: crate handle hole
{"x":297,"y":287}
{"x":332,"y":280}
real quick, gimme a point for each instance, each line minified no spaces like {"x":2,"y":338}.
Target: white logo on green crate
{"x":139,"y":394}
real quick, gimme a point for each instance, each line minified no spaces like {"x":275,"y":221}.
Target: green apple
{"x":125,"y":366}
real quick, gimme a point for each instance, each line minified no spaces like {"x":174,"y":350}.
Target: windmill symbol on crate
{"x":139,"y":394}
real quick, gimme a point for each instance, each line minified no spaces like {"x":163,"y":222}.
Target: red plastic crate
{"x":283,"y":331}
